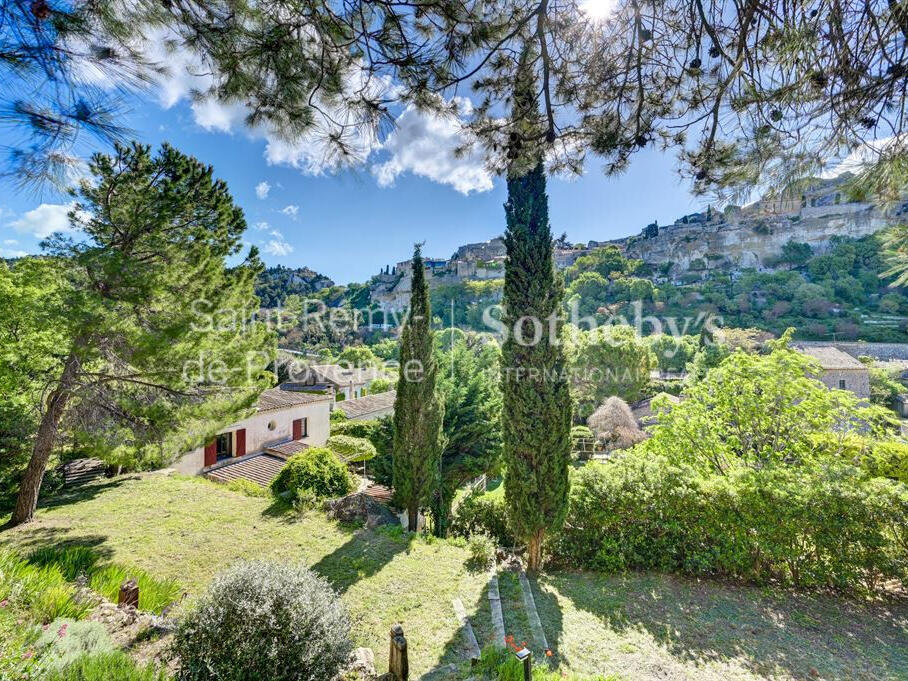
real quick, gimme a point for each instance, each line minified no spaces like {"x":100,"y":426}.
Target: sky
{"x":349,"y":223}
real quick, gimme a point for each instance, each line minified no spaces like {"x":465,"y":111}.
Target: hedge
{"x":829,"y":525}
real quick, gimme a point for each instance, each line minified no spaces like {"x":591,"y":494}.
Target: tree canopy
{"x":746,"y":91}
{"x":143,"y":334}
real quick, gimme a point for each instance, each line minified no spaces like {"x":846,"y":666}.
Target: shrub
{"x":380,"y":432}
{"x":261,"y":620}
{"x":482,"y":551}
{"x":813,"y":526}
{"x":351,"y":449}
{"x":65,"y":640}
{"x":317,"y":469}
{"x":112,"y":666}
{"x":305,"y":500}
{"x":578,"y":432}
{"x":154,"y":594}
{"x":480,"y":514}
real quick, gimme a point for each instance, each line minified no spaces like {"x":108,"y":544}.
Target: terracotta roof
{"x":370,"y":404}
{"x":261,"y":469}
{"x":287,"y":449}
{"x":275,"y":398}
{"x":831,"y":357}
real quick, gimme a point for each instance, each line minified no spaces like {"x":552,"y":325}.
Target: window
{"x":224,"y":445}
{"x":842,"y":384}
{"x":305,"y":427}
{"x":272,"y":425}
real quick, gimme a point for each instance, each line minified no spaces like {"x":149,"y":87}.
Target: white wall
{"x":258,"y":435}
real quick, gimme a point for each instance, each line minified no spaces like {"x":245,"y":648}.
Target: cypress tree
{"x":536,"y":409}
{"x":418,"y":409}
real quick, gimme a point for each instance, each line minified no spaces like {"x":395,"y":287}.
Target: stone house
{"x":839,"y":370}
{"x":347,"y":383}
{"x":284,"y":422}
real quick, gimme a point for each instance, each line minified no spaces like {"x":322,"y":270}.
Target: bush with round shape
{"x":264,"y":620}
{"x":351,"y":449}
{"x":317,"y":469}
{"x":482,"y":514}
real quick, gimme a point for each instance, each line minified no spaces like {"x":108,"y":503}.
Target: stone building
{"x":840,"y":370}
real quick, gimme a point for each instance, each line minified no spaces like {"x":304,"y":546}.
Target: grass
{"x":74,"y":560}
{"x":41,"y":589}
{"x":189,"y":529}
{"x":649,"y":626}
{"x":629,"y":627}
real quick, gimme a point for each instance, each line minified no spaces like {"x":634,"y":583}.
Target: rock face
{"x":738,"y":242}
{"x":361,"y":508}
{"x":753,"y":237}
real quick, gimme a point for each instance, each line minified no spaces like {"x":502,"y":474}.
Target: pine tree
{"x":536,"y":409}
{"x":418,"y":409}
{"x":131,"y":354}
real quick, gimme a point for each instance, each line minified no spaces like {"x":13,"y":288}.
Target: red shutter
{"x":297,"y":429}
{"x":240,"y":442}
{"x":211,"y":453}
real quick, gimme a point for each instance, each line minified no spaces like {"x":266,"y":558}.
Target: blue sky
{"x":348,"y":224}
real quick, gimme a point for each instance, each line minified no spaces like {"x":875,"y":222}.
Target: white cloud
{"x":44,"y":220}
{"x":262,"y":189}
{"x":261,"y":226}
{"x":291,"y":210}
{"x":217,"y":116}
{"x":277,"y":246}
{"x":10,"y":242}
{"x":424,"y":144}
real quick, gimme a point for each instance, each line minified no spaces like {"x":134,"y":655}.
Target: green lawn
{"x":636,"y":627}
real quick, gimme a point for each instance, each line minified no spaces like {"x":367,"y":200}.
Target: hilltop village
{"x":686,"y":251}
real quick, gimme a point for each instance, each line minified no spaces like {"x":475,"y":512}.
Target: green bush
{"x":482,"y":551}
{"x":154,"y":594}
{"x":247,"y":487}
{"x":317,"y":469}
{"x":380,"y":432}
{"x":112,"y":666}
{"x":351,"y":449}
{"x":828,"y":525}
{"x":500,"y":664}
{"x":481,"y":514}
{"x":65,"y":640}
{"x":262,"y":620}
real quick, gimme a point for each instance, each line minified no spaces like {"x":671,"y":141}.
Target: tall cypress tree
{"x":418,"y":409}
{"x":536,"y":409}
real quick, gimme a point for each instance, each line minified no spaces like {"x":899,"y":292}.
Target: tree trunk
{"x":45,"y":438}
{"x":534,"y":551}
{"x":412,"y":518}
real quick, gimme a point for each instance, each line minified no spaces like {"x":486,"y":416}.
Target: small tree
{"x":418,"y":410}
{"x":615,"y":425}
{"x":759,"y":410}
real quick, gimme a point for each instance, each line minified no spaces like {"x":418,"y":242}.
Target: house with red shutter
{"x":285,"y":422}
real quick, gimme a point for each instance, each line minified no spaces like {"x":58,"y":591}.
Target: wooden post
{"x":129,"y":594}
{"x":397,"y":658}
{"x":526,"y":657}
